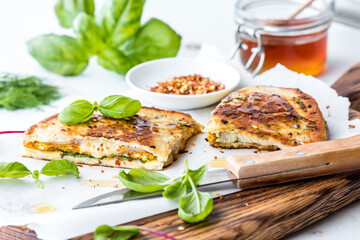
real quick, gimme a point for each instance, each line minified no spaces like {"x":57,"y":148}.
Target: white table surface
{"x":200,"y":21}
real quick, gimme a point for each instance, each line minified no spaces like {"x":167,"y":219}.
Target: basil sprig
{"x":193,"y":207}
{"x":115,"y":35}
{"x":52,"y":168}
{"x":114,"y":106}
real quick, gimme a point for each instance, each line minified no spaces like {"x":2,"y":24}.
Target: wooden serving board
{"x":264,"y":213}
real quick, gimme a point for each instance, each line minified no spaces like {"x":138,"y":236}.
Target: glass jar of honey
{"x":268,"y":34}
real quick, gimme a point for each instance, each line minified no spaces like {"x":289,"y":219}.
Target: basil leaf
{"x":120,"y":20}
{"x":175,"y":191}
{"x":142,"y":180}
{"x":66,"y":10}
{"x":13,"y":170}
{"x":115,"y":60}
{"x":195,"y":206}
{"x":60,"y":54}
{"x":154,"y":40}
{"x":106,"y":232}
{"x":60,"y":167}
{"x":117,"y":106}
{"x":89,"y":34}
{"x":198,"y":175}
{"x":77,"y":112}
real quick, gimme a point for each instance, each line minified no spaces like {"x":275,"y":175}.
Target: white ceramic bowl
{"x":146,"y":75}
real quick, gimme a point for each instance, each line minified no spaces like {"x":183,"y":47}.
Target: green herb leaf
{"x":115,"y":60}
{"x":106,"y":232}
{"x":67,"y":10}
{"x":195,"y":206}
{"x":59,"y":54}
{"x":142,"y":180}
{"x":18,"y":92}
{"x":120,"y":20}
{"x":79,"y":111}
{"x":13,"y":170}
{"x":89,"y":34}
{"x":178,"y":189}
{"x":154,"y":40}
{"x":60,"y":167}
{"x":117,"y":106}
{"x":175,"y":191}
{"x":198,"y":175}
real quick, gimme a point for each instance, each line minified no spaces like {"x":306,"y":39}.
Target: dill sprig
{"x":17,"y":92}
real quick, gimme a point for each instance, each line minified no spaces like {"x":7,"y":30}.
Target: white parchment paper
{"x":17,"y":196}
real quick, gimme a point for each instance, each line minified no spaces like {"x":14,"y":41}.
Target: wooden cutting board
{"x":264,"y":213}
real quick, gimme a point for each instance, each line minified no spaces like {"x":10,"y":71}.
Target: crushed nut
{"x":188,"y":85}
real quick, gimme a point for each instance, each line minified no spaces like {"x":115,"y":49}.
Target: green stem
{"x":193,"y":187}
{"x":35,"y":176}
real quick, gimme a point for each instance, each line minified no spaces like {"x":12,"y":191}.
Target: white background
{"x":200,"y":21}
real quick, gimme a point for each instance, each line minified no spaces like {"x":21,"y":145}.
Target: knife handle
{"x":305,"y":161}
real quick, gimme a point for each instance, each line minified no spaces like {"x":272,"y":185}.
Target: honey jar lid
{"x":273,"y":16}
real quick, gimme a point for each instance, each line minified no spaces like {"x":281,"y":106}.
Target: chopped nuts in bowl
{"x":189,"y":91}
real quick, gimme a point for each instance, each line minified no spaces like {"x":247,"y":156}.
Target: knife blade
{"x":251,"y":171}
{"x":212,"y":177}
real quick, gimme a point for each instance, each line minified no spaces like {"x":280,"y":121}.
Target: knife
{"x":258,"y":170}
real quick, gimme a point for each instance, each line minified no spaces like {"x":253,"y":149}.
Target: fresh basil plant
{"x":52,"y":168}
{"x":193,"y":207}
{"x":115,"y":35}
{"x":114,"y":106}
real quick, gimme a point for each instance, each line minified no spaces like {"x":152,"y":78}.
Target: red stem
{"x":160,"y":234}
{"x":6,"y":132}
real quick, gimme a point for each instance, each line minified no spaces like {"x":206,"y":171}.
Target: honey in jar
{"x":268,"y":37}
